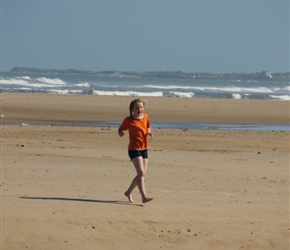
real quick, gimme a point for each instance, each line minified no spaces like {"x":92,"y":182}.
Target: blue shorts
{"x":136,"y":153}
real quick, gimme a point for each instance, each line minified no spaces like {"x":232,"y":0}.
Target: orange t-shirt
{"x":138,"y":129}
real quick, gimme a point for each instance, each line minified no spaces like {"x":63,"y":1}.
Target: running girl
{"x":139,"y":128}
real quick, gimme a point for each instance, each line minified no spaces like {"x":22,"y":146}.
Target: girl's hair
{"x":133,"y":103}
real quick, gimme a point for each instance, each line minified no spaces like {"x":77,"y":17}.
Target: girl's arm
{"x":149,"y":132}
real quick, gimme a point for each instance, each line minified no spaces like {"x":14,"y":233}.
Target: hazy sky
{"x":220,"y":36}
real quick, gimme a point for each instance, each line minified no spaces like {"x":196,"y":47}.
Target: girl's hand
{"x":121,"y":133}
{"x":150,"y":134}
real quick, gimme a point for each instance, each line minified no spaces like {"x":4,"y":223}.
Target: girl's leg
{"x":145,"y":165}
{"x":131,"y":188}
{"x":137,"y":162}
{"x":135,"y":181}
{"x":140,"y":165}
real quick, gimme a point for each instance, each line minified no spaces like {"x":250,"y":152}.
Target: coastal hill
{"x":264,"y":75}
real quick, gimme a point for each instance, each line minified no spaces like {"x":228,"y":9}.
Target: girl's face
{"x":138,"y":109}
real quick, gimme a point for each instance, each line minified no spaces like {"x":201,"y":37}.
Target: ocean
{"x":85,"y":84}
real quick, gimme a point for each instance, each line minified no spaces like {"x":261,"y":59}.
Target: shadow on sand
{"x":82,"y":200}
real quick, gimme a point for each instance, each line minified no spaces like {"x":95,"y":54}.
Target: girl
{"x":139,"y":128}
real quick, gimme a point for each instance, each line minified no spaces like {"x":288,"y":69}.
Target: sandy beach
{"x":62,"y":187}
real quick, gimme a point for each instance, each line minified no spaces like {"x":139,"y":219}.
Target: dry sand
{"x":62,"y":186}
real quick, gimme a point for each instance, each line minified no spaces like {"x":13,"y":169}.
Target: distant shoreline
{"x":51,"y":109}
{"x":165,"y":125}
{"x":258,"y":76}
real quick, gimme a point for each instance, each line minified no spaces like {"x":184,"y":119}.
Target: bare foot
{"x":129,"y":196}
{"x":147,"y":199}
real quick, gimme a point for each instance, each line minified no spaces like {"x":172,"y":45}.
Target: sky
{"x":209,"y":36}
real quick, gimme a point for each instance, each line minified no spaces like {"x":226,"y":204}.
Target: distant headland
{"x":264,"y":75}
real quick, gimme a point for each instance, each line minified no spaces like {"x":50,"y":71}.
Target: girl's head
{"x":136,"y":107}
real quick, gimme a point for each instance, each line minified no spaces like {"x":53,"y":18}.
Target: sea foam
{"x":281,"y":97}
